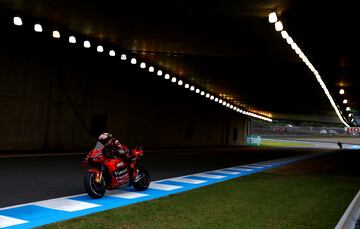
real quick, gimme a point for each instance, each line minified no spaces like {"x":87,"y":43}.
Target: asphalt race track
{"x":33,"y":178}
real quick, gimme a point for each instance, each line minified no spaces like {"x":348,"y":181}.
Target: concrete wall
{"x":50,"y":92}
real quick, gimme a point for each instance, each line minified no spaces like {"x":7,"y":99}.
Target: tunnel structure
{"x":57,"y":95}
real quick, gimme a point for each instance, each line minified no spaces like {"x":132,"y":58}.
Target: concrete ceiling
{"x":227,"y":47}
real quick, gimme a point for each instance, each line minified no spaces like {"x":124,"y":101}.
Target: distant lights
{"x":56,"y":34}
{"x":173,"y":79}
{"x":123,"y":57}
{"x":38,"y":28}
{"x":100,"y":48}
{"x":133,"y":61}
{"x":159,"y":73}
{"x":197,"y":91}
{"x":342,"y":91}
{"x":151,"y":69}
{"x":279,"y":26}
{"x":216,"y":100}
{"x":167,"y":76}
{"x":272,"y":17}
{"x":207,"y":95}
{"x":349,"y":115}
{"x":192,"y":88}
{"x":212,"y":97}
{"x":180,"y":82}
{"x":345,"y":101}
{"x":112,"y":53}
{"x":220,"y":101}
{"x":348,"y":109}
{"x":187,"y":85}
{"x":87,"y":44}
{"x":202,"y":93}
{"x":142,"y":65}
{"x":17,"y":21}
{"x":72,"y":40}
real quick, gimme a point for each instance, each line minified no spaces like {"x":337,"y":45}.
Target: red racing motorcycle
{"x":108,"y":172}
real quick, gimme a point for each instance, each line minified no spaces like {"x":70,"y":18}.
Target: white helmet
{"x":104,"y":138}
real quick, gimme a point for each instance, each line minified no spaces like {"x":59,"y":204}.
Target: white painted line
{"x":253,"y":167}
{"x":241,"y":168}
{"x":126,"y":195}
{"x":226,"y":172}
{"x":66,"y":205}
{"x":6,"y":221}
{"x":259,"y":164}
{"x":164,"y":187}
{"x":206,"y":175}
{"x":186,"y":180}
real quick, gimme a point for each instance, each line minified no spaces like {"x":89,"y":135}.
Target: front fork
{"x":99,"y":176}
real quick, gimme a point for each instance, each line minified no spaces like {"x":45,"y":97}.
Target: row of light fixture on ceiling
{"x":348,"y":109}
{"x":280,"y":28}
{"x":72,"y":39}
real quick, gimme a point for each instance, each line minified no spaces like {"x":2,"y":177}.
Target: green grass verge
{"x":278,"y":143}
{"x":256,"y":201}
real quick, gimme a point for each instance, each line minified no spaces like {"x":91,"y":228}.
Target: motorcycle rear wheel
{"x":144,"y":181}
{"x":94,"y":190}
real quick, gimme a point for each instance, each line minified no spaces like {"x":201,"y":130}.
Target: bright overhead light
{"x":180,"y":82}
{"x":284,"y":34}
{"x":100,"y":48}
{"x":17,"y":21}
{"x":279,"y":26}
{"x":231,"y":106}
{"x":342,"y":91}
{"x":345,"y":101}
{"x":187,"y":85}
{"x":38,"y":28}
{"x":216,"y":99}
{"x":112,"y":53}
{"x":192,"y":88}
{"x":298,"y":50}
{"x":123,"y":57}
{"x":87,"y":44}
{"x":72,"y":40}
{"x":142,"y":65}
{"x":348,"y":109}
{"x":167,"y":76}
{"x":220,"y":101}
{"x":56,"y":34}
{"x":207,"y":95}
{"x":294,"y":46}
{"x":173,"y":79}
{"x":159,"y":73}
{"x":133,"y":60}
{"x":289,"y":40}
{"x":272,"y":17}
{"x":151,"y":69}
{"x":202,"y":93}
{"x":224,"y":103}
{"x":197,"y":91}
{"x":211,"y":97}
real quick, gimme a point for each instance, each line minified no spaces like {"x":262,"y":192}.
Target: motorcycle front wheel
{"x":94,"y":190}
{"x":144,"y":181}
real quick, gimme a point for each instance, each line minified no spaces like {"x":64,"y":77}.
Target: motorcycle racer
{"x":113,"y":148}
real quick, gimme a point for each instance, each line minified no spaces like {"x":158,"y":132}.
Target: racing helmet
{"x":104,"y":138}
